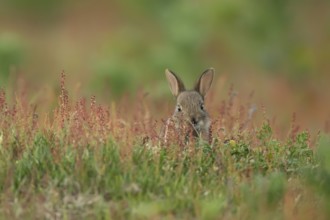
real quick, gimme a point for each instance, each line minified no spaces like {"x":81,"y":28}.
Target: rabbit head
{"x":190,"y":111}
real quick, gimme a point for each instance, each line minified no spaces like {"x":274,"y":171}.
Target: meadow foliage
{"x":86,"y":160}
{"x":91,"y":146}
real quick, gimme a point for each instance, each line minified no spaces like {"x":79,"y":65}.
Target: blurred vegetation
{"x":135,"y":41}
{"x":11,"y":55}
{"x":83,"y":159}
{"x":38,"y":10}
{"x":319,"y":176}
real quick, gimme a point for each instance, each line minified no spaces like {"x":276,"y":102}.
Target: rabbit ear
{"x":205,"y":81}
{"x":175,"y":83}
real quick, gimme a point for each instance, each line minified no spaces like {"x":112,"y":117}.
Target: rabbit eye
{"x":202,"y":107}
{"x":179,"y":109}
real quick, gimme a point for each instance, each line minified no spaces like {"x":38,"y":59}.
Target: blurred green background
{"x":280,"y":49}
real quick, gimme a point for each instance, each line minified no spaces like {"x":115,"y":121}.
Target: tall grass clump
{"x":86,"y":160}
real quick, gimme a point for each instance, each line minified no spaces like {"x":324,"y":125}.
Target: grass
{"x":86,"y":161}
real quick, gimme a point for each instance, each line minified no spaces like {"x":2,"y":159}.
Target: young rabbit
{"x":190,"y":116}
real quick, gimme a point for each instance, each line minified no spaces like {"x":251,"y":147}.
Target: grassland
{"x":89,"y":161}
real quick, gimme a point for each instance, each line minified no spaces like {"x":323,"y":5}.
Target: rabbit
{"x":190,"y":117}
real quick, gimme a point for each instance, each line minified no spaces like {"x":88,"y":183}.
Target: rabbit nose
{"x":193,"y":121}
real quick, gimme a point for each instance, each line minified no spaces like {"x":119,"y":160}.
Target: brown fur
{"x":190,"y":115}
